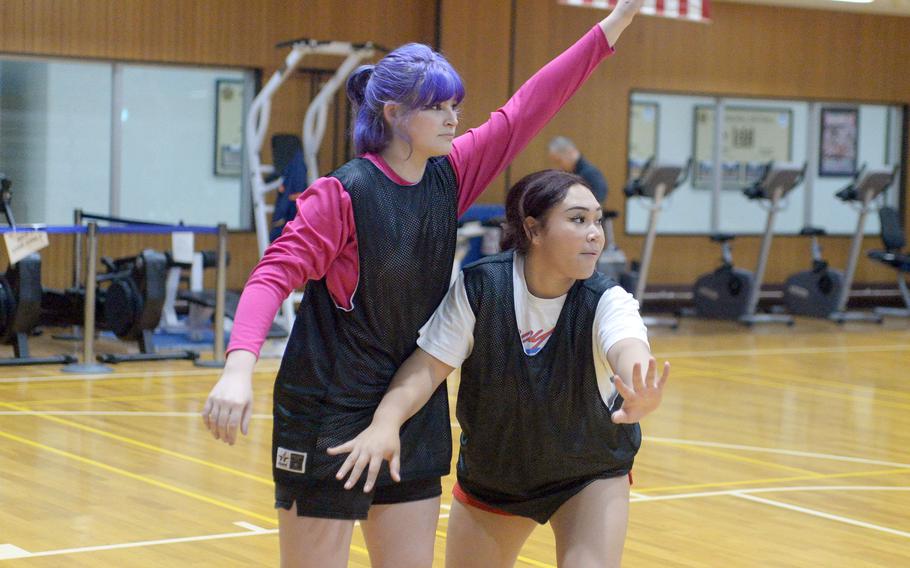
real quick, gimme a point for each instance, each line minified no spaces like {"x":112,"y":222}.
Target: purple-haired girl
{"x":374,"y":242}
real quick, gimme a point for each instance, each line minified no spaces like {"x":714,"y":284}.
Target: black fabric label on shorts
{"x":290,"y":461}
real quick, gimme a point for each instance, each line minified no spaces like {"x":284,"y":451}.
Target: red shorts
{"x":465,"y":499}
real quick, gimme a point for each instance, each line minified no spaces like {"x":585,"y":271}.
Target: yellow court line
{"x":123,"y":398}
{"x":144,"y":445}
{"x":137,"y":477}
{"x":789,"y":351}
{"x":735,"y":457}
{"x":773,"y":480}
{"x":153,"y":482}
{"x":777,"y":375}
{"x":190,"y":375}
{"x":725,"y":376}
{"x":134,"y":442}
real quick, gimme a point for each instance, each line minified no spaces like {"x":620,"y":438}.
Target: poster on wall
{"x":752,"y":137}
{"x":643,"y":120}
{"x":839,"y":140}
{"x":228,"y":127}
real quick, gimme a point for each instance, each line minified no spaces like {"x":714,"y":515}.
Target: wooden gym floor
{"x":773,"y":447}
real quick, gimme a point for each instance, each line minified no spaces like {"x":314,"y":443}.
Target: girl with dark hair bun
{"x":547,"y":434}
{"x":374,"y":242}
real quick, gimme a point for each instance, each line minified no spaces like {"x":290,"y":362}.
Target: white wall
{"x":78,"y":142}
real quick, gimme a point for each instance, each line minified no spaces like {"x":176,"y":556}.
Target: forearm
{"x":630,"y":352}
{"x":614,"y":24}
{"x":412,"y":386}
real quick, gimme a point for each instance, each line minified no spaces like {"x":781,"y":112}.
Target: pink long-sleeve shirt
{"x":321,"y":241}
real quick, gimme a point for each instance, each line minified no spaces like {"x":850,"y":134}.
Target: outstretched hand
{"x":627,"y":9}
{"x":644,"y":396}
{"x":367,"y":451}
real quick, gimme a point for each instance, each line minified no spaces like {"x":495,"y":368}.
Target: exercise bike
{"x":730,"y":294}
{"x":612,"y":261}
{"x":724,"y":293}
{"x":867,"y":185}
{"x":814,"y":292}
{"x":656,"y":182}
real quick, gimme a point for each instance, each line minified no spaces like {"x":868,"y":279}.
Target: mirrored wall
{"x":148,"y":142}
{"x":832,"y":139}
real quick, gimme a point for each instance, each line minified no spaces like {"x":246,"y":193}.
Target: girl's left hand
{"x":367,"y":451}
{"x":644,"y":396}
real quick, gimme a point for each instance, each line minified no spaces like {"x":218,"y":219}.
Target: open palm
{"x":645,"y":394}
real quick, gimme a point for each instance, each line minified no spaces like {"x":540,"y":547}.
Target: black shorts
{"x":328,"y":499}
{"x":539,"y":508}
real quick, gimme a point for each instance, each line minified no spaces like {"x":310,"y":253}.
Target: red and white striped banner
{"x":692,"y":10}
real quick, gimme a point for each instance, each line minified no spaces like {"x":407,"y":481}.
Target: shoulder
{"x":489,"y":264}
{"x":442,"y":166}
{"x":352,"y":171}
{"x":487,"y":276}
{"x":597,"y":285}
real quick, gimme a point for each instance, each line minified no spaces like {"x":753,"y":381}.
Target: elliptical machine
{"x":656,"y":182}
{"x":814,"y":292}
{"x":719,"y":295}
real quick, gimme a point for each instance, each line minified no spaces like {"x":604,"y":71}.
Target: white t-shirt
{"x":449,"y":334}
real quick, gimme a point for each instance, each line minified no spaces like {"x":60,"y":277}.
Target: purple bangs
{"x":413,"y":75}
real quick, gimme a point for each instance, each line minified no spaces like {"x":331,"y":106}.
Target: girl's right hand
{"x":369,"y":449}
{"x":627,"y":9}
{"x":230,"y":404}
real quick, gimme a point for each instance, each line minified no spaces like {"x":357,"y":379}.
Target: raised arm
{"x":621,"y":16}
{"x":413,"y":385}
{"x":481,"y":153}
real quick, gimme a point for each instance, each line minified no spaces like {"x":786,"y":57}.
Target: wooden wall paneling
{"x":477,"y":43}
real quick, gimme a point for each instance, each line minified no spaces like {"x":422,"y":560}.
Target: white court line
{"x":823,"y":515}
{"x":740,"y":492}
{"x":250,"y":526}
{"x":26,"y":554}
{"x":132,"y":413}
{"x":787,"y":351}
{"x":10,"y":551}
{"x":137,"y":375}
{"x":797,"y":453}
{"x":637,"y":495}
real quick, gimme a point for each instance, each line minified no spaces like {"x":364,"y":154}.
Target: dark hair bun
{"x":357,"y":83}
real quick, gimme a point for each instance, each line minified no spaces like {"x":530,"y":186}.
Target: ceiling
{"x":895,"y":7}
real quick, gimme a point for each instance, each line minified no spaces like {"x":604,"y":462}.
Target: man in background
{"x":566,"y":156}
